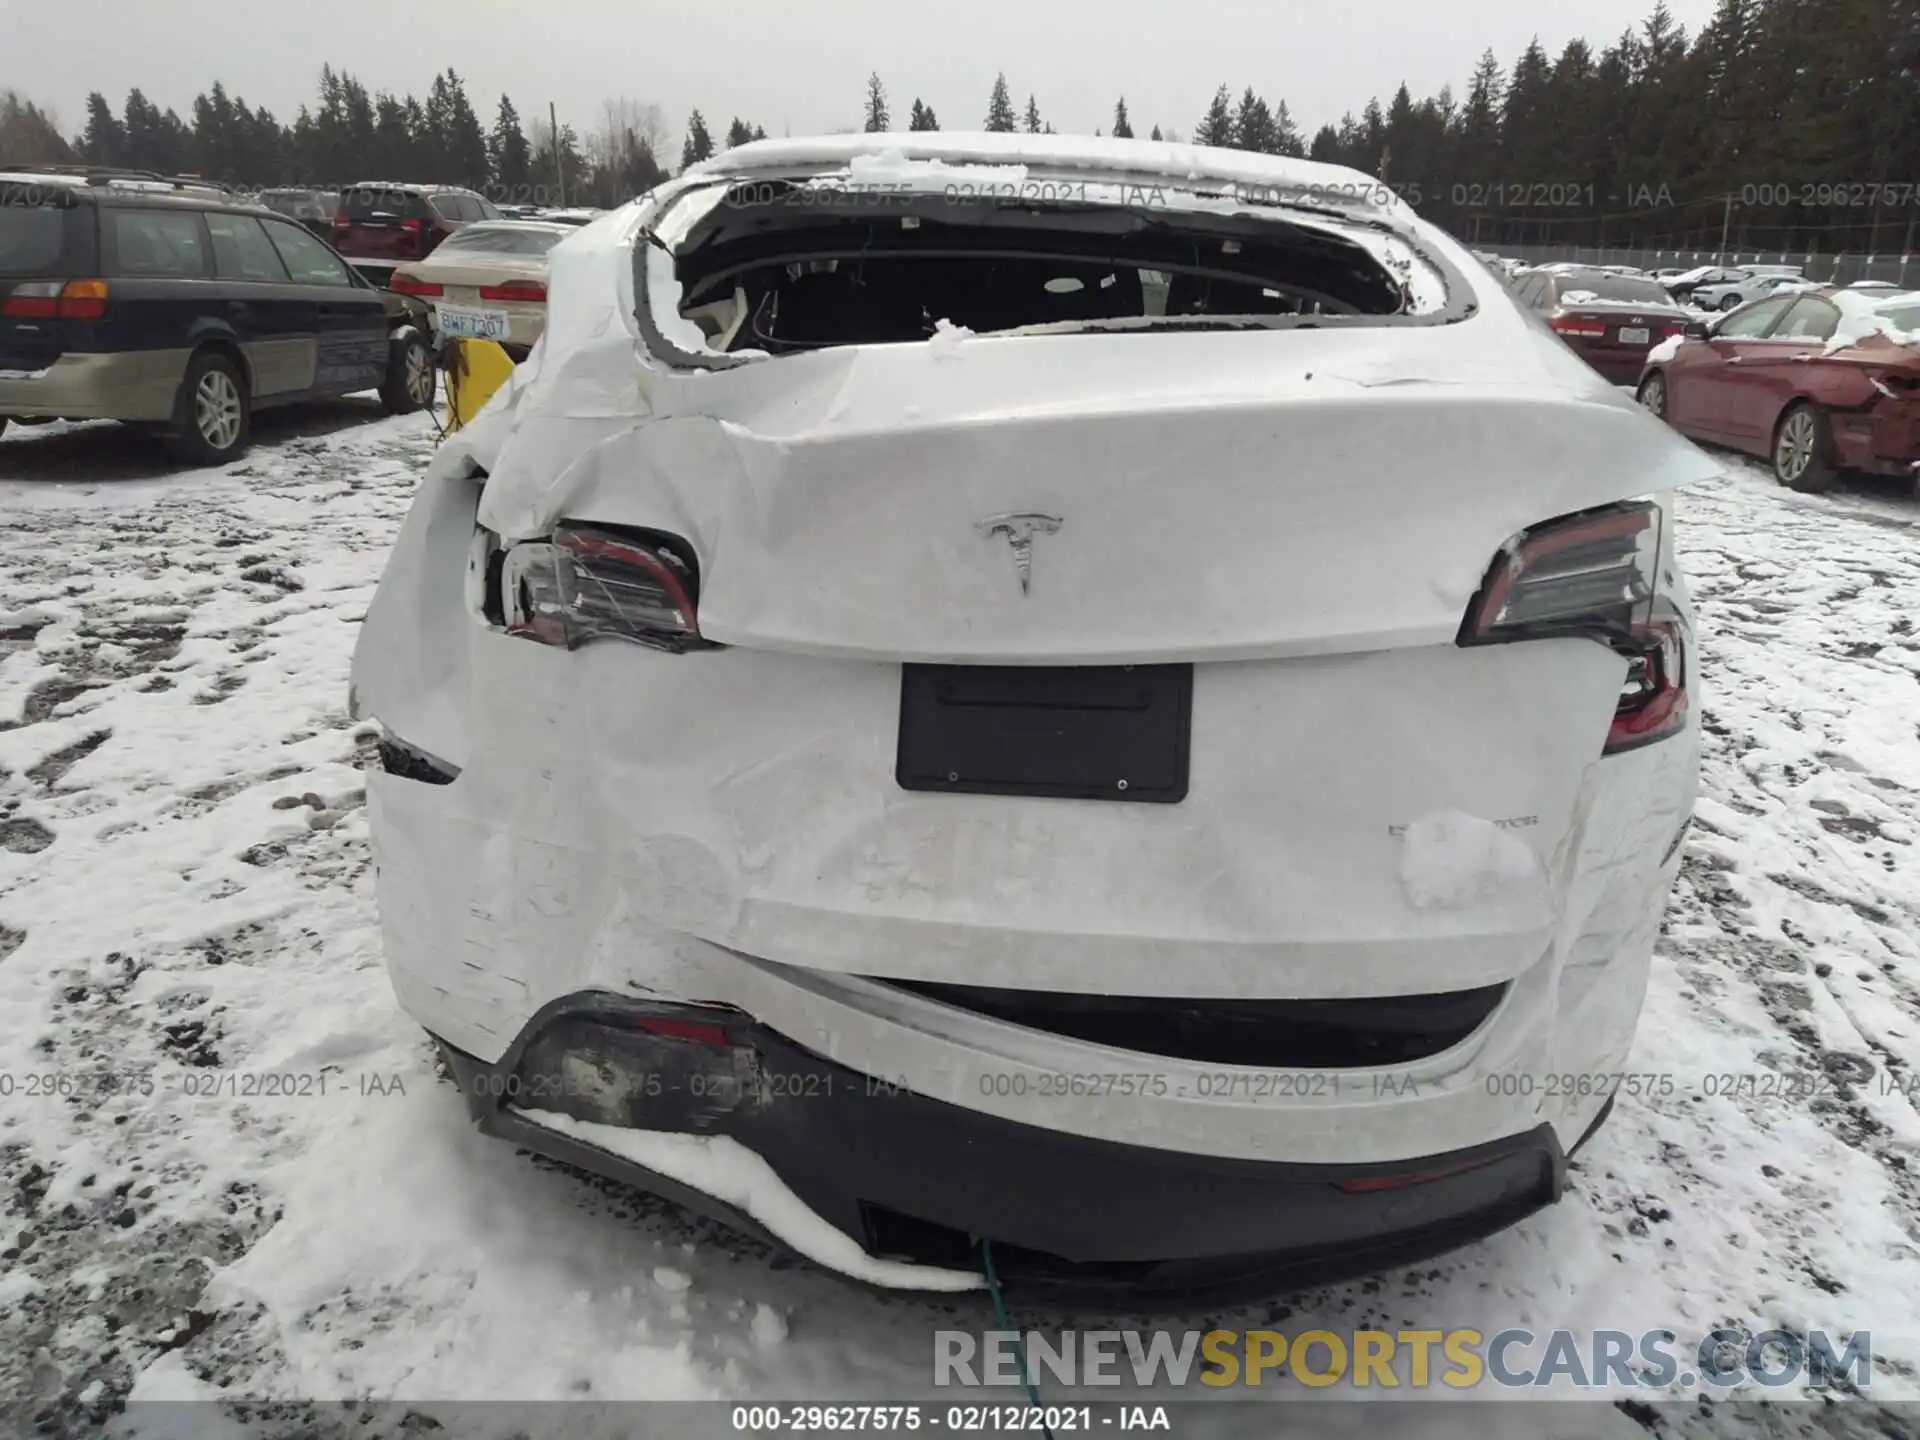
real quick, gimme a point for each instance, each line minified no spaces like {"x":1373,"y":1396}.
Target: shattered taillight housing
{"x":593,"y":582}
{"x":1595,"y":575}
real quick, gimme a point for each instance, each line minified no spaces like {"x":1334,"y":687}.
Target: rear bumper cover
{"x":908,"y":1175}
{"x":1883,"y":439}
{"x":1622,"y":367}
{"x":131,"y":385}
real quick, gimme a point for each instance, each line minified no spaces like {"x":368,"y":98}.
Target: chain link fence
{"x":1901,"y":270}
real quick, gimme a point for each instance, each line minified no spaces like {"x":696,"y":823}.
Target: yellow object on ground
{"x":478,"y":369}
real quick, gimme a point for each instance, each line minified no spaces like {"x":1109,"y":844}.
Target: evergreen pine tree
{"x":1033,"y":126}
{"x":105,"y":141}
{"x":1480,"y":115}
{"x":1000,"y":117}
{"x":1121,"y":129}
{"x":877,"y":117}
{"x":1253,"y":124}
{"x":392,"y":138}
{"x":1286,"y":135}
{"x":509,"y":156}
{"x":1216,"y":126}
{"x":698,"y":145}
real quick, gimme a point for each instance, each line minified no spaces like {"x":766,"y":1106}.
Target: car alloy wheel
{"x":1730,"y":302}
{"x":216,"y":410}
{"x":411,"y":380}
{"x":419,"y":375}
{"x":1793,"y":450}
{"x":1653,"y":394}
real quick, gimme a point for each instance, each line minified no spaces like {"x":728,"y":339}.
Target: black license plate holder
{"x":1082,"y":732}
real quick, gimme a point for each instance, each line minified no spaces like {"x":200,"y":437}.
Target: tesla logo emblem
{"x":1020,"y":527}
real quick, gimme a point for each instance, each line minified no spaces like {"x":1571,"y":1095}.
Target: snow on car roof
{"x":516,"y":224}
{"x":1866,"y":313}
{"x":879,"y":157}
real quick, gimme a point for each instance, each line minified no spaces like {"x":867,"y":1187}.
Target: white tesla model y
{"x":1112,"y":699}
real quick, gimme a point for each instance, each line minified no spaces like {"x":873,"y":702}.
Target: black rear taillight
{"x":1594,"y":575}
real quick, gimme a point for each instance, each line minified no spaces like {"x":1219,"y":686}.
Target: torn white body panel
{"x":731,"y":1173}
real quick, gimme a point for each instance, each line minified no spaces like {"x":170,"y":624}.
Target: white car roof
{"x":170,"y":185}
{"x":1148,"y":162}
{"x":483,"y":227}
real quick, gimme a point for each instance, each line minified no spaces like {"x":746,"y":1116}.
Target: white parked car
{"x":574,"y":216}
{"x":1732,"y":294}
{"x":486,"y":281}
{"x":900,"y":733}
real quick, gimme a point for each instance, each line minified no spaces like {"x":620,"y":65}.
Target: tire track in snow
{"x":171,"y":690}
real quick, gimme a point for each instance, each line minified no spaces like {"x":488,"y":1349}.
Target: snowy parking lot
{"x":227,"y":1166}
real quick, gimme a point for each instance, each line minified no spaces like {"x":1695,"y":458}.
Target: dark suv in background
{"x":314,"y":209}
{"x":171,"y":305}
{"x":380,"y":224}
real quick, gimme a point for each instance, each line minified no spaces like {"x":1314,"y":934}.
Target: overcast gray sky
{"x":795,"y":69}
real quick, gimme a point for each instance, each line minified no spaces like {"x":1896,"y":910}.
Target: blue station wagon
{"x":178,"y":308}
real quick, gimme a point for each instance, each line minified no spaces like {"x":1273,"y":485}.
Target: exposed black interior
{"x":1291,"y":1034}
{"x":888,"y":268}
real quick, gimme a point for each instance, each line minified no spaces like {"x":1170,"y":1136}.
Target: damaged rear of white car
{"x":1113,"y":700}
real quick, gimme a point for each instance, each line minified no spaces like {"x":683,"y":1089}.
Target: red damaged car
{"x":1819,"y":382}
{"x":1610,"y":320}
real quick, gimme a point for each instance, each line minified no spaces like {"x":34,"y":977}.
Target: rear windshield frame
{"x":297,"y":204}
{"x":78,"y":253}
{"x":1251,"y":221}
{"x":369,"y":202}
{"x":469,"y":240}
{"x":1596,"y":285}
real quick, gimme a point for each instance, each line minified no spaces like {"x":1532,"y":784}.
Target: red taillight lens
{"x":403,"y":284}
{"x":591,"y":582}
{"x":1372,"y":1184}
{"x":1653,"y":701}
{"x":38,"y":300}
{"x":515,"y":290}
{"x":52,"y":300}
{"x":341,"y":222}
{"x":699,"y":1032}
{"x":1575,"y":325}
{"x":1594,"y":576}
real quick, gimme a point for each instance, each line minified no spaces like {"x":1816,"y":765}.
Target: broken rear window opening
{"x":735,"y":272}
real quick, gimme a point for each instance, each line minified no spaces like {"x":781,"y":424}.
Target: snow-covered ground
{"x":297,"y":1210}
